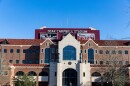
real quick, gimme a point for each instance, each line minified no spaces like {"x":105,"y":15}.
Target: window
{"x":5,"y":73}
{"x":47,"y":44}
{"x":80,"y":51}
{"x":37,"y":50}
{"x":107,"y":52}
{"x":113,"y":52}
{"x":85,"y":51}
{"x":96,"y":62}
{"x":30,"y":61}
{"x":18,"y":50}
{"x":126,"y":62}
{"x":95,"y":51}
{"x":126,"y":51}
{"x":11,"y":50}
{"x":69,"y":53}
{"x":52,"y":50}
{"x":11,"y":61}
{"x":17,"y":61}
{"x":30,"y":51}
{"x":41,"y":61}
{"x":24,"y":50}
{"x":107,"y":62}
{"x":91,"y":56}
{"x":119,"y":52}
{"x":89,"y":44}
{"x":23,"y":61}
{"x":55,"y":73}
{"x":101,"y":52}
{"x":5,"y":50}
{"x":37,"y":61}
{"x":42,"y":51}
{"x":83,"y":74}
{"x":101,"y":62}
{"x":120,"y":62}
{"x":56,"y":50}
{"x":47,"y":55}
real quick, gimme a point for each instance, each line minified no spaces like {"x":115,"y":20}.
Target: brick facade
{"x":33,"y":58}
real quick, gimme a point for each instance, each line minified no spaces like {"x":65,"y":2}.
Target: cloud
{"x":128,"y":25}
{"x":126,"y":38}
{"x":109,"y":37}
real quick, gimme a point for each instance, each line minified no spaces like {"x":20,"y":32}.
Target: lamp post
{"x":107,"y":83}
{"x":102,"y":81}
{"x":70,"y":84}
{"x":1,"y":60}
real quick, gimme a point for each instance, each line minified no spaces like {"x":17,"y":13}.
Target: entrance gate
{"x":69,"y":77}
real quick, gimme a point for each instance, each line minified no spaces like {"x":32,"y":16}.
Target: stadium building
{"x":62,"y":57}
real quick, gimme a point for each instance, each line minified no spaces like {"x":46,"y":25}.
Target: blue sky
{"x":20,"y":18}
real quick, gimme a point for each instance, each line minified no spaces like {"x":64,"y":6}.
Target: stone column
{"x":84,"y":74}
{"x":12,"y":75}
{"x":80,"y":75}
{"x":129,"y":72}
{"x":52,"y":77}
{"x":37,"y":82}
{"x":59,"y":74}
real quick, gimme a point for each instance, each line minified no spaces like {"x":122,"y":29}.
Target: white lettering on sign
{"x":86,"y":36}
{"x":67,"y":31}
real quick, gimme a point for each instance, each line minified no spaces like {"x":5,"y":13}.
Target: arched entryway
{"x":19,"y":73}
{"x":69,"y":77}
{"x":32,"y":73}
{"x":43,"y":78}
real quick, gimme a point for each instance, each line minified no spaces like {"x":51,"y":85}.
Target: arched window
{"x":91,"y":56}
{"x":100,"y":51}
{"x":43,"y":73}
{"x":126,"y":51}
{"x":69,"y":53}
{"x":119,"y":52}
{"x":32,"y":73}
{"x":113,"y":52}
{"x":47,"y":55}
{"x":107,"y":52}
{"x":96,"y":74}
{"x":19,"y":73}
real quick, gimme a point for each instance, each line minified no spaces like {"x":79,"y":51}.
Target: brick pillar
{"x":37,"y":80}
{"x":59,"y":74}
{"x":129,"y":71}
{"x":12,"y":75}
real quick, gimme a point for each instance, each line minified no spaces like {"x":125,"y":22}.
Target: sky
{"x":20,"y":18}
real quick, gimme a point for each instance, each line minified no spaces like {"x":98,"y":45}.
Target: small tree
{"x":116,"y":73}
{"x":25,"y":80}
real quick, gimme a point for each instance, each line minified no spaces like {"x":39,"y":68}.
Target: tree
{"x":24,"y":80}
{"x":116,"y":71}
{"x":4,"y":70}
{"x":115,"y":74}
